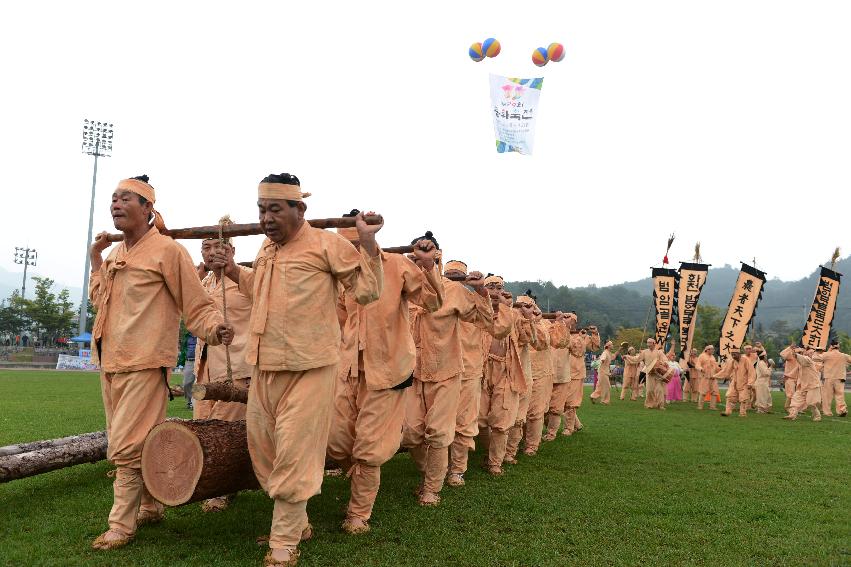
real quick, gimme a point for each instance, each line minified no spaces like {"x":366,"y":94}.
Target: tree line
{"x":44,"y":319}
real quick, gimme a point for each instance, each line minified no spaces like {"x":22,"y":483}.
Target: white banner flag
{"x":515,"y":106}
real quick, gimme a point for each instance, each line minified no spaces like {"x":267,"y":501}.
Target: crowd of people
{"x":350,"y":352}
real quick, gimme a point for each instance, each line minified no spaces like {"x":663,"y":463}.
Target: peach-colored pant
{"x":540,"y":400}
{"x":737,"y":396}
{"x":288,"y":419}
{"x":833,"y":390}
{"x":558,"y":405}
{"x":575,"y":389}
{"x":498,"y":410}
{"x":366,"y":430}
{"x":603,"y":390}
{"x":515,"y":434}
{"x":708,"y":386}
{"x":430,"y":412}
{"x":655,"y":392}
{"x":134,"y":402}
{"x":466,"y":425}
{"x":789,"y":386}
{"x":804,"y":399}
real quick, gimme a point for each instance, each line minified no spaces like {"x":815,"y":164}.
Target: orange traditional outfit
{"x":835,"y":370}
{"x":538,"y":340}
{"x":630,"y":376}
{"x":504,"y":381}
{"x":577,"y":346}
{"x":791,"y":373}
{"x":708,"y":367}
{"x":211,"y":361}
{"x":658,"y":372}
{"x":431,"y":405}
{"x":140,"y":294}
{"x":808,"y":389}
{"x":742,"y":377}
{"x":551,"y":336}
{"x":294,"y":345}
{"x":603,"y":389}
{"x":378,"y":357}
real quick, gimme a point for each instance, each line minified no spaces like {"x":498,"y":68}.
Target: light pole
{"x":97,"y":141}
{"x":27,"y":257}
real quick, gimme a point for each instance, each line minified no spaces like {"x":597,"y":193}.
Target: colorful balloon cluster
{"x":488,"y":48}
{"x":542,"y":55}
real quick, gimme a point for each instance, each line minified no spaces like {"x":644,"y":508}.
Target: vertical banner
{"x":515,"y":106}
{"x":665,"y":301}
{"x":742,"y":308}
{"x":817,"y":329}
{"x":692,"y":278}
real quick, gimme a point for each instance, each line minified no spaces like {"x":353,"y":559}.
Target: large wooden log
{"x":84,"y":450}
{"x":47,"y":443}
{"x":220,"y":391}
{"x":186,"y":461}
{"x":212,"y":231}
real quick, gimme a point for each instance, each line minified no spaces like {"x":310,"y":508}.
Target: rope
{"x":224,"y":302}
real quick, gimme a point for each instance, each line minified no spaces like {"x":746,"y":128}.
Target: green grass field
{"x":635,"y":487}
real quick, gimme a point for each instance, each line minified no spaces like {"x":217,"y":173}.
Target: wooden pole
{"x":204,"y":232}
{"x":389,"y":250}
{"x":220,"y":392}
{"x":48,"y":443}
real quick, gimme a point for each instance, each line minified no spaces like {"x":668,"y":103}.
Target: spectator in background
{"x":189,"y":369}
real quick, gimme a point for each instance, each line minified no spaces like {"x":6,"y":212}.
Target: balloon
{"x":540,"y":57}
{"x":476,"y":53}
{"x":555,"y":52}
{"x":491,"y":47}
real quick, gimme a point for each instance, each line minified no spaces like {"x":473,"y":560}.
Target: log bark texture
{"x":220,"y":391}
{"x":47,"y":443}
{"x":212,"y":231}
{"x":186,"y":461}
{"x":83,"y":450}
{"x":390,"y":250}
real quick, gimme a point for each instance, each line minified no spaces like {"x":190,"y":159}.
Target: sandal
{"x":102,"y":544}
{"x":148,"y":517}
{"x":290,"y":561}
{"x":429,"y":499}
{"x":455,"y":479}
{"x":215,"y":504}
{"x":355,"y":526}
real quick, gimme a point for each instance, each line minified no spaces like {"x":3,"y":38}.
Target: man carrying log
{"x":579,"y":343}
{"x":378,"y":357}
{"x":652,"y":359}
{"x":551,"y":336}
{"x":808,"y":389}
{"x":515,"y":434}
{"x":211,"y":362}
{"x":140,"y":291}
{"x":561,"y":382}
{"x":504,"y":380}
{"x":473,"y":339}
{"x":741,"y":373}
{"x":431,"y":402}
{"x":835,"y":370}
{"x":294,"y":345}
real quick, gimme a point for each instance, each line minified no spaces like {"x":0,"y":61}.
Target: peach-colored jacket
{"x":791,"y":368}
{"x":808,"y":378}
{"x":139,"y":296}
{"x":708,"y":365}
{"x":294,"y":324}
{"x":741,"y":374}
{"x":239,"y":310}
{"x":577,"y":346}
{"x":476,"y":341}
{"x":835,"y":364}
{"x":437,"y":335}
{"x":381,"y":330}
{"x":551,"y":336}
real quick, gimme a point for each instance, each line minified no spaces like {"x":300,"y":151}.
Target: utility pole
{"x":28,"y":257}
{"x":97,"y":142}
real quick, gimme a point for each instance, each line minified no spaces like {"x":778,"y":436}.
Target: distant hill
{"x":627,"y":304}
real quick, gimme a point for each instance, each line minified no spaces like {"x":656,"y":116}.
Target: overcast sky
{"x":726,"y":122}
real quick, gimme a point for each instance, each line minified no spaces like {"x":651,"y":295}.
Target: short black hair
{"x":283,"y":178}
{"x":427,"y":236}
{"x":352,"y":213}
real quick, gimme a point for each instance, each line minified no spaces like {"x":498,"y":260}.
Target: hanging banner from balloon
{"x":665,"y":301}
{"x":515,"y":107}
{"x":692,"y":278}
{"x":742,"y":309}
{"x":817,"y":330}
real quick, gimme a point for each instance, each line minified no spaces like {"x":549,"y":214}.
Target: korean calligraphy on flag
{"x":817,"y":329}
{"x":665,"y":301}
{"x":514,"y":106}
{"x":692,"y":278}
{"x":742,"y":308}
